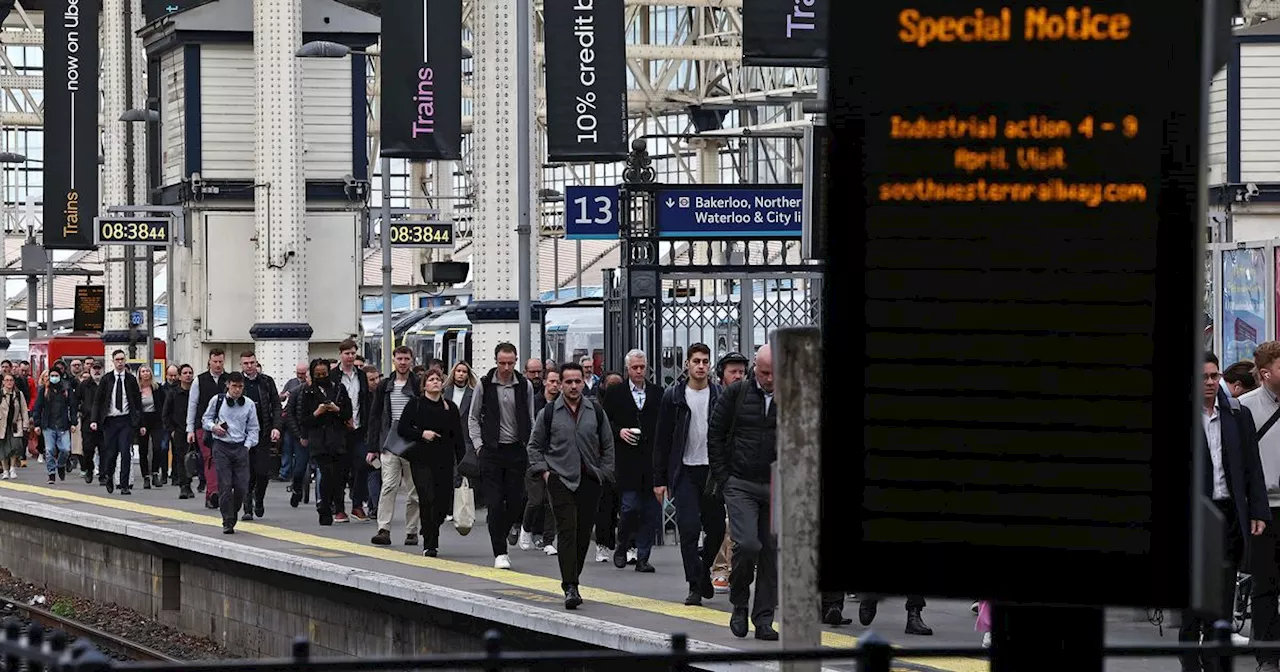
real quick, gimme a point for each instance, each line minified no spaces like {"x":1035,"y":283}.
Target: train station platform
{"x":624,"y":609}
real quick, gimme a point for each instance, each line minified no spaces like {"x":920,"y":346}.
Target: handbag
{"x":469,"y":467}
{"x":464,"y":508}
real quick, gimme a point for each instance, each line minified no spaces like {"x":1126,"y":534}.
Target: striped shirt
{"x":398,"y":401}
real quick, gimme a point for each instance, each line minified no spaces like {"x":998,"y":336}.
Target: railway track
{"x":112,"y":645}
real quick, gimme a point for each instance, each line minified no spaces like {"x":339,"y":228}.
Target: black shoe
{"x":867,"y":612}
{"x":644,"y":567}
{"x":53,"y":480}
{"x":88,"y":476}
{"x":738,"y":622}
{"x":382,"y":538}
{"x":214,"y":501}
{"x":185,"y":492}
{"x":513,"y":536}
{"x":572,"y":600}
{"x":62,"y":473}
{"x":430,"y":552}
{"x":326,"y":519}
{"x":126,"y":490}
{"x":102,"y":480}
{"x":620,"y":557}
{"x":694,"y":599}
{"x":708,"y":590}
{"x":766,"y":633}
{"x":228,"y":528}
{"x":110,"y":488}
{"x":294,"y":499}
{"x":410,"y":539}
{"x":259,"y":509}
{"x":834,"y":617}
{"x":146,"y":482}
{"x":247,"y":517}
{"x":915,"y":625}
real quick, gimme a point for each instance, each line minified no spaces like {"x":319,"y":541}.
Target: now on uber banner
{"x":586,"y":80}
{"x":788,"y":33}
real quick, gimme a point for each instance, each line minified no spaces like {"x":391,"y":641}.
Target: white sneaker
{"x":549,"y":549}
{"x":603,"y":554}
{"x":526,"y":540}
{"x":632,"y":556}
{"x":13,"y":473}
{"x":502,"y":562}
{"x":986,"y":640}
{"x":4,"y":475}
{"x":974,"y":607}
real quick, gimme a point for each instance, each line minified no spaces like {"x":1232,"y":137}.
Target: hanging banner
{"x":791,"y":33}
{"x":422,"y":80}
{"x":70,"y":123}
{"x":1244,"y":303}
{"x":586,"y":80}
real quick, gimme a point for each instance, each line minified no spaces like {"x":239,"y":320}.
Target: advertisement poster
{"x":422,"y":80}
{"x":1244,"y":303}
{"x":586,"y":80}
{"x":70,"y":123}
{"x":1210,"y":298}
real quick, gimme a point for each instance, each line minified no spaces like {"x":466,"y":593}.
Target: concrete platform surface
{"x":624,"y":609}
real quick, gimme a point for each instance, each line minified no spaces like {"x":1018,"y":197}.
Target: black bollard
{"x":35,"y":642}
{"x":493,"y":650}
{"x":679,"y":647}
{"x":879,"y":653}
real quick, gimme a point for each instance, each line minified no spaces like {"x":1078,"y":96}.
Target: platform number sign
{"x":591,"y":213}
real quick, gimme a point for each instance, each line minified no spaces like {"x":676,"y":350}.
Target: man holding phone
{"x":634,"y":418}
{"x":232,"y":419}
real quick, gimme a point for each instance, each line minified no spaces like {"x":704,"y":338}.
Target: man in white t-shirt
{"x":680,"y":464}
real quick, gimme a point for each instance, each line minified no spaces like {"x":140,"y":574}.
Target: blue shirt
{"x":242,"y":421}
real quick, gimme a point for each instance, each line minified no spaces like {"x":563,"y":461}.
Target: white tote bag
{"x":464,"y":507}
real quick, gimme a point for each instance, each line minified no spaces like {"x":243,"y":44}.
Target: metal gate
{"x":672,"y":293}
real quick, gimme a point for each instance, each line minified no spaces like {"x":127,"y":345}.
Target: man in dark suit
{"x":633,"y":415}
{"x":117,"y":412}
{"x":1234,"y":482}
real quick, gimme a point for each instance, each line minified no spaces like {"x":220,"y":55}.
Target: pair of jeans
{"x":755,"y":550}
{"x":180,"y":448}
{"x":696,"y":512}
{"x":57,"y":449}
{"x":117,"y":449}
{"x":538,"y":515}
{"x":289,"y":446}
{"x":357,"y":473}
{"x":638,"y":522}
{"x":606,"y":516}
{"x":300,"y":466}
{"x":502,"y":470}
{"x":231,"y":461}
{"x":160,"y":459}
{"x":574,"y":512}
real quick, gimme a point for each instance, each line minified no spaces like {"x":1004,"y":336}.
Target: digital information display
{"x":91,"y":308}
{"x":131,"y":231}
{"x":1029,"y":179}
{"x":411,"y":233}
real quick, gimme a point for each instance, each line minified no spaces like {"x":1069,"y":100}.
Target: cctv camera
{"x":349,"y":180}
{"x":1251,"y":189}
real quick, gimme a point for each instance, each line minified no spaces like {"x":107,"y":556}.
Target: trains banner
{"x":790,"y":33}
{"x":422,"y":80}
{"x":70,"y":123}
{"x":586,"y":80}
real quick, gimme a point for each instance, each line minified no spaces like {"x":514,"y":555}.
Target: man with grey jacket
{"x":1264,"y":405}
{"x":571,"y":449}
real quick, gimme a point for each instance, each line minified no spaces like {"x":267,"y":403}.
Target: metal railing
{"x":35,"y":649}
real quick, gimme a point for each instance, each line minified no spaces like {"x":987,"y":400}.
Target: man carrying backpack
{"x":232,"y":419}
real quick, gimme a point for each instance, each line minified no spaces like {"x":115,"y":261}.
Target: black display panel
{"x":70,"y":123}
{"x":91,"y":308}
{"x":586,"y":68}
{"x":421,"y":100}
{"x":1020,"y":182}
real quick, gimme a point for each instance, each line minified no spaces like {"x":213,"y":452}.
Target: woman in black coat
{"x":323,"y":411}
{"x":432,"y":423}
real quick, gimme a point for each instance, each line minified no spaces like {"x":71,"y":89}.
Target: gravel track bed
{"x":115,"y":620}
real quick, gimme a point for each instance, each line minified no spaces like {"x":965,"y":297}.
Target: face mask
{"x":321,"y":377}
{"x":55,"y":379}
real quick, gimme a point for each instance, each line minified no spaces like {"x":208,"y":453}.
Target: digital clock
{"x":410,"y":233}
{"x":131,"y":231}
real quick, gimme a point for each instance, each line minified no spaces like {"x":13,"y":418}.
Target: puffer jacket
{"x":744,"y":446}
{"x":326,"y":434}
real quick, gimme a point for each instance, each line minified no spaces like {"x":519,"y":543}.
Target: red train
{"x":42,"y":352}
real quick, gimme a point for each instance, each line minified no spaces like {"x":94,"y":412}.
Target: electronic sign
{"x":131,"y":231}
{"x":1021,"y":183}
{"x":417,"y":233}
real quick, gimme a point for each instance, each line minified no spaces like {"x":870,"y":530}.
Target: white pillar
{"x":497,"y":154}
{"x":117,"y":97}
{"x":281,"y":330}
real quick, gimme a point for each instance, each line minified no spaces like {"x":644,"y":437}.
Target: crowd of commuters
{"x":566,"y":461}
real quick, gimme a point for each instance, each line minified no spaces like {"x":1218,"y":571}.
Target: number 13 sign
{"x":591,"y":213}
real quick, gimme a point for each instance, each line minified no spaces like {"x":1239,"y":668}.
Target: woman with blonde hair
{"x":13,"y":426}
{"x":154,"y":464}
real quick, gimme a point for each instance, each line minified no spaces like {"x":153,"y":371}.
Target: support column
{"x":498,"y":154}
{"x":281,"y":330}
{"x":123,"y":87}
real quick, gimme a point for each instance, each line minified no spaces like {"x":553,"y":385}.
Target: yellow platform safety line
{"x":507,"y":577}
